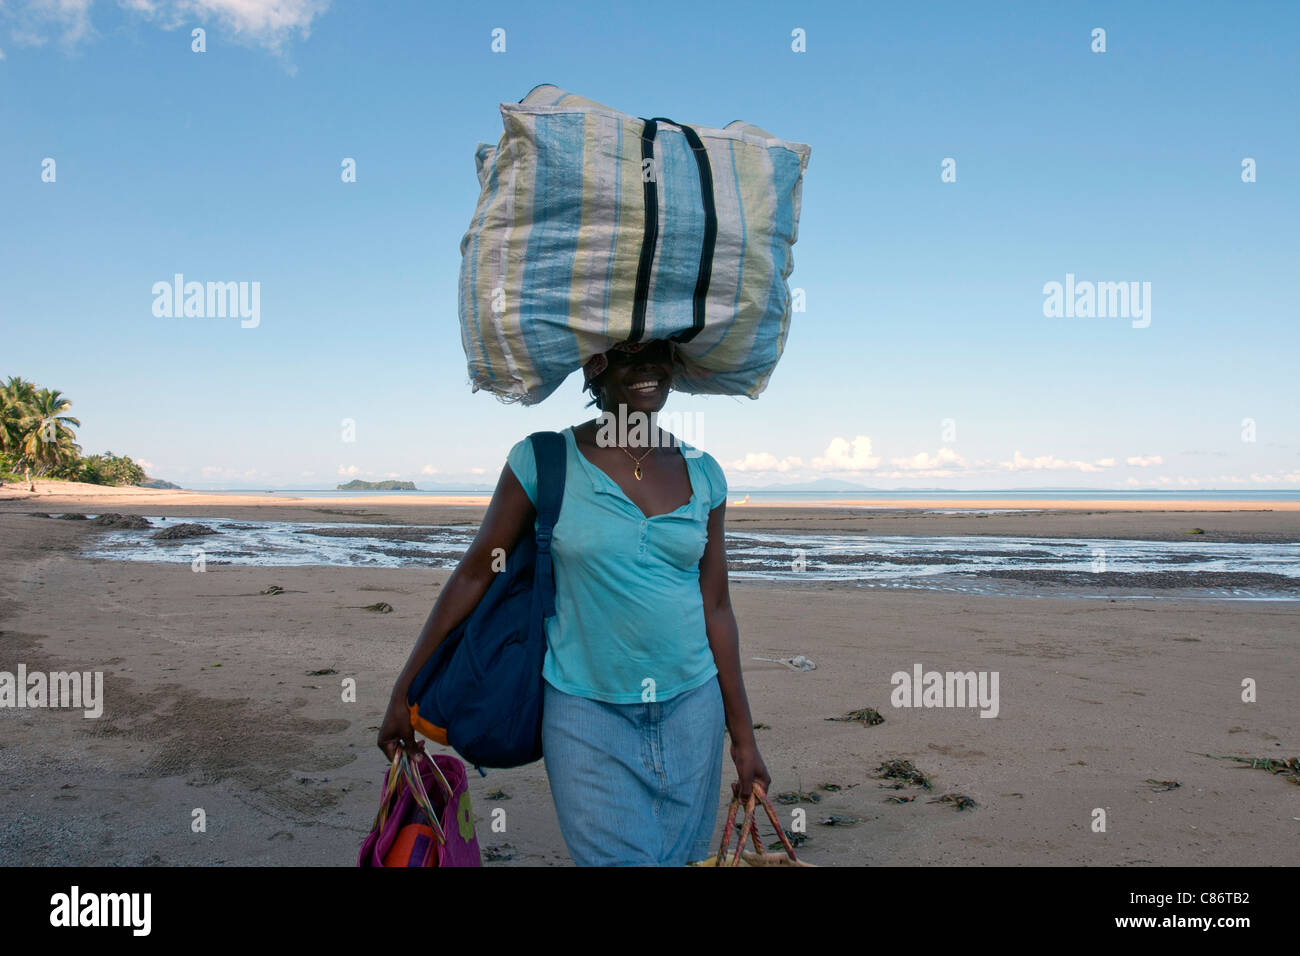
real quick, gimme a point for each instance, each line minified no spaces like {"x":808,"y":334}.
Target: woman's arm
{"x":509,"y":516}
{"x":724,"y":640}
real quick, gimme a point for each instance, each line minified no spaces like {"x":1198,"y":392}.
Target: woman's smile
{"x":640,"y":380}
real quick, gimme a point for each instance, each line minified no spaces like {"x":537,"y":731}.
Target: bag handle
{"x":421,"y":795}
{"x":650,"y":238}
{"x":402,"y":767}
{"x":749,"y":829}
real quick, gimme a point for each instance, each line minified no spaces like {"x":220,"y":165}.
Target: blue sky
{"x":924,"y":298}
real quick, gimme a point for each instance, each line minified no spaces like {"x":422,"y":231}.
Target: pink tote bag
{"x":426,"y":831}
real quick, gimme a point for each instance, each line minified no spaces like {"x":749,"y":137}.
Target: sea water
{"x":967,"y":563}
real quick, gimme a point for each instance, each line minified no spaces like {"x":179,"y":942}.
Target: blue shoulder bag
{"x":481,"y":690}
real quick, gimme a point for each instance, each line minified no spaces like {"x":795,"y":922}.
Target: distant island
{"x":158,"y":483}
{"x":356,"y":484}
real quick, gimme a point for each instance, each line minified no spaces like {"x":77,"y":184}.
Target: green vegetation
{"x":37,"y":440}
{"x":357,"y":484}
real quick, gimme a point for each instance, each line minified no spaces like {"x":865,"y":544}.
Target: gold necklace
{"x":637,"y":470}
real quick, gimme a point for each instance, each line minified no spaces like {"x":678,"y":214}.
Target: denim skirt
{"x":635,"y":784}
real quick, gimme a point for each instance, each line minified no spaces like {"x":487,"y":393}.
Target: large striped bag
{"x":595,"y":227}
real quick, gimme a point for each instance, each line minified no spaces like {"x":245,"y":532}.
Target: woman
{"x":643,"y":662}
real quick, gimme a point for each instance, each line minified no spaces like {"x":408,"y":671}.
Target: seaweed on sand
{"x":958,"y":800}
{"x":868,"y":716}
{"x":903,"y":770}
{"x":791,"y":797}
{"x":839,"y":820}
{"x":1289,"y":768}
{"x":796,"y":840}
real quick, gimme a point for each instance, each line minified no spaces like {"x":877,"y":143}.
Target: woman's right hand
{"x":396,"y":729}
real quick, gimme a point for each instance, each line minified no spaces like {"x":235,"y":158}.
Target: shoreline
{"x":1213,"y":522}
{"x":69,"y":494}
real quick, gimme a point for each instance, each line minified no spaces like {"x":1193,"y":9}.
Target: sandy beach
{"x":220,"y":697}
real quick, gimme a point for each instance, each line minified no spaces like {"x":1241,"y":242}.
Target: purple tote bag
{"x":437,"y":796}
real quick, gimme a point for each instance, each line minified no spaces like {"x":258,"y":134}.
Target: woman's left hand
{"x":749,"y":768}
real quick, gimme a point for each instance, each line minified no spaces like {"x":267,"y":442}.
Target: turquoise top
{"x":629,"y":621}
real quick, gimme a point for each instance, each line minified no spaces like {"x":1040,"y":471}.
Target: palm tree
{"x":17,"y":397}
{"x":47,"y":439}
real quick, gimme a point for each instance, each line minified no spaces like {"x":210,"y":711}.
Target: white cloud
{"x":841,"y":456}
{"x":478,"y":471}
{"x":32,"y":22}
{"x":146,"y":465}
{"x":349,"y":470}
{"x":265,"y":23}
{"x":1139,"y":462}
{"x":764,"y":461}
{"x":1105,"y":462}
{"x":924,"y":461}
{"x":428,"y":470}
{"x":1050,"y":463}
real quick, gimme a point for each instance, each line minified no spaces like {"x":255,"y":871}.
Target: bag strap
{"x":651,"y":236}
{"x":401,"y":771}
{"x":551,"y":453}
{"x":416,"y":783}
{"x":749,"y":828}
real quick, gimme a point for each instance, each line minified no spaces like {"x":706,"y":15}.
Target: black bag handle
{"x":646,"y":262}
